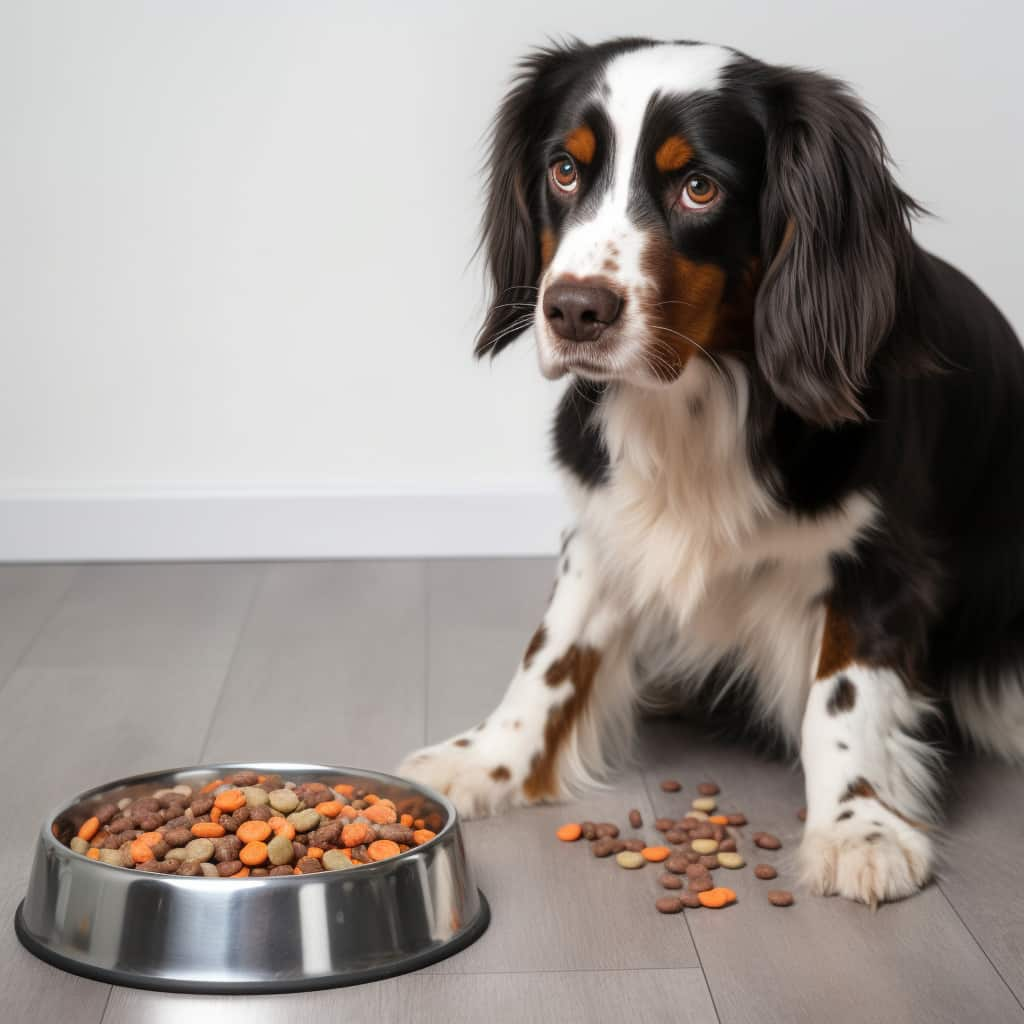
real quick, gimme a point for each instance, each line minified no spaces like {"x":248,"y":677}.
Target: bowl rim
{"x":378,"y":867}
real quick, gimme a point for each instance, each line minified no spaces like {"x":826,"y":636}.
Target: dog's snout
{"x":580,"y":310}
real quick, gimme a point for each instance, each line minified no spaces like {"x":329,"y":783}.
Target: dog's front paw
{"x":870,"y":857}
{"x":478,"y":781}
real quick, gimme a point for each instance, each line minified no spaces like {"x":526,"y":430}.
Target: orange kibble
{"x":382,"y":849}
{"x":356,"y":834}
{"x":254,"y":831}
{"x":140,"y":851}
{"x":215,"y":813}
{"x":380,"y":814}
{"x":244,"y":873}
{"x":349,"y":812}
{"x":94,"y":853}
{"x":296,"y":871}
{"x":230,"y":800}
{"x":253,"y":854}
{"x":207,"y":830}
{"x":150,"y":838}
{"x":402,"y":847}
{"x":89,"y":828}
{"x":419,"y":823}
{"x":281,"y":826}
{"x":422,"y":835}
{"x":211,"y":786}
{"x":260,"y":779}
{"x":344,"y":789}
{"x":405,"y":820}
{"x":655,"y":854}
{"x":370,"y":798}
{"x":716,"y":898}
{"x":315,"y":852}
{"x":719,"y":819}
{"x":569,"y":833}
{"x":329,"y":808}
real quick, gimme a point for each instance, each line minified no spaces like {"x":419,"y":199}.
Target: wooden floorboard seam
{"x":977,"y":942}
{"x":686,"y":917}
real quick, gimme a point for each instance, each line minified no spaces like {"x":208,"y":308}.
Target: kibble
{"x":635,"y":819}
{"x":249,"y":825}
{"x":765,"y":872}
{"x":670,"y":881}
{"x":780,"y":897}
{"x":733,"y":861}
{"x":671,"y":786}
{"x":630,"y":860}
{"x":717,"y":898}
{"x":668,"y":904}
{"x":704,"y":803}
{"x":708,"y":789}
{"x":766,"y":841}
{"x":704,"y":846}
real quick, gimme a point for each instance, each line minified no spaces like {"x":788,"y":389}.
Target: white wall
{"x":234,"y":240}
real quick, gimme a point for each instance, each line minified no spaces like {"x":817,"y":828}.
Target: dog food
{"x":252,"y":826}
{"x":693,"y":847}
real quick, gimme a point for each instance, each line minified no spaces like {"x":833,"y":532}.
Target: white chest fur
{"x":697,"y":550}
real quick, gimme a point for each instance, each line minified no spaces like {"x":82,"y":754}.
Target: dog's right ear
{"x":509,"y":236}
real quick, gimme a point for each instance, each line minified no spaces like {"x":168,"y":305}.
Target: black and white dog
{"x":794,"y":439}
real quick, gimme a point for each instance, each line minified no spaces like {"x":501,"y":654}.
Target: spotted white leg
{"x":567,"y":709}
{"x":869,"y":785}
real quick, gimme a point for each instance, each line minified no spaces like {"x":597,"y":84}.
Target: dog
{"x":793,"y":440}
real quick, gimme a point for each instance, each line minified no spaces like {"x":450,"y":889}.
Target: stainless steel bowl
{"x":286,"y":934}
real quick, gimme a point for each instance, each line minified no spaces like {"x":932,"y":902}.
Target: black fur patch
{"x":843,"y":697}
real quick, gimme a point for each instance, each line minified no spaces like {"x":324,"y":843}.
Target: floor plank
{"x":28,"y":596}
{"x":329,"y":668}
{"x":482,"y":613}
{"x":66,"y":730}
{"x":555,"y":906}
{"x":908,"y":961}
{"x":981,"y":872}
{"x":148,"y":616}
{"x":570,"y":998}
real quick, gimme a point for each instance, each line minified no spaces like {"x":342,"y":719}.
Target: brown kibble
{"x":703,"y":883}
{"x":708,"y":789}
{"x":765,"y":872}
{"x":690,"y":900}
{"x":309,"y":865}
{"x":607,"y":830}
{"x":802,"y":814}
{"x":602,"y":847}
{"x":664,"y":824}
{"x":636,"y":819}
{"x":635,"y":845}
{"x":696,"y":871}
{"x":737,"y":820}
{"x":710,"y":861}
{"x":677,"y":837}
{"x":727,"y":846}
{"x":589,"y":830}
{"x":671,"y":786}
{"x":766,"y":841}
{"x":670,"y":881}
{"x":780,"y":897}
{"x":668,"y":904}
{"x":227,"y":868}
{"x":677,"y":864}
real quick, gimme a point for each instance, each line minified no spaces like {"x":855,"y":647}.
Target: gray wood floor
{"x":110,"y":670}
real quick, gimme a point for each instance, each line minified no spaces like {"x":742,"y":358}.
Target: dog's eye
{"x":564,"y":176}
{"x":699,"y":193}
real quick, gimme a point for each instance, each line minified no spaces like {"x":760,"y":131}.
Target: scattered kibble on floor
{"x":695,"y":845}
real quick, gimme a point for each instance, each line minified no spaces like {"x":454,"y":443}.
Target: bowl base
{"x":465,"y":938}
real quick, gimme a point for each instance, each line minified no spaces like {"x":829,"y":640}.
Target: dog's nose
{"x":578,"y":311}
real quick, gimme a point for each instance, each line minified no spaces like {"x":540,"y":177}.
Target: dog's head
{"x":652,"y":203}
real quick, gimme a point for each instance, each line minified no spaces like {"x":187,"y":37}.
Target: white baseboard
{"x":213,"y":527}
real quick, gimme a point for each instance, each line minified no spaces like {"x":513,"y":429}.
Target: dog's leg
{"x":567,"y":708}
{"x":869,"y":780}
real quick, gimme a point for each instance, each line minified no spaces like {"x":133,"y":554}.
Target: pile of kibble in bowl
{"x":695,"y":846}
{"x":248,"y":825}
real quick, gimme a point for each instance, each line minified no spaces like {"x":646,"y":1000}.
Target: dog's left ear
{"x":836,"y":245}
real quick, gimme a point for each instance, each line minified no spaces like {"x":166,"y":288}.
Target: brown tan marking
{"x":580,"y":665}
{"x":501,"y":774}
{"x":537,"y":641}
{"x":547,"y":248}
{"x":581,"y":144}
{"x":675,"y":152}
{"x":838,"y":645}
{"x":861,"y":787}
{"x":463,"y":742}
